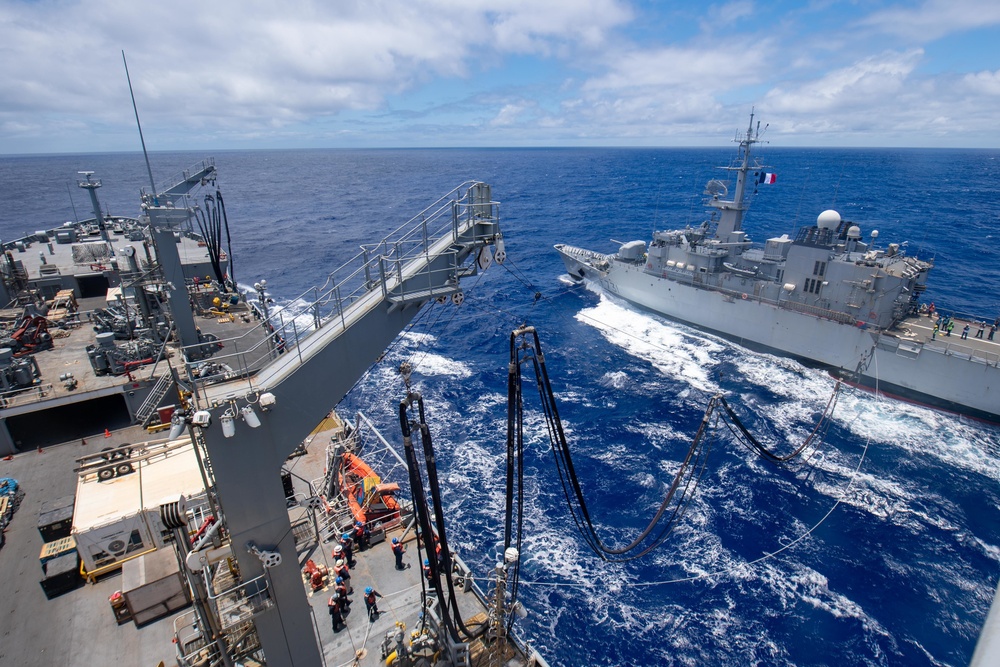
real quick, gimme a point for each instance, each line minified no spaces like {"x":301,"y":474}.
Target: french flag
{"x":767,"y":178}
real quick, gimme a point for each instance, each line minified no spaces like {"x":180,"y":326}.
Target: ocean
{"x":881,"y":547}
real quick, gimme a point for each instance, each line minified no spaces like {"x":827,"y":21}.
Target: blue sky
{"x":415,"y":73}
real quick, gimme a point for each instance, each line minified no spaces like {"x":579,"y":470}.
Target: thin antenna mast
{"x":149,"y":170}
{"x":76,"y":218}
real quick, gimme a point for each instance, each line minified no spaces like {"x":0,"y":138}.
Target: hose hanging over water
{"x":679,"y":494}
{"x":424,"y":519}
{"x":745,"y":436}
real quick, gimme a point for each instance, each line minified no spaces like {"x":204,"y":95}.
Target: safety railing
{"x":14,"y":397}
{"x":403,"y":264}
{"x":695,"y":280}
{"x":973,"y":354}
{"x":199,"y":171}
{"x":191,"y":644}
{"x":242,"y":602}
{"x":817,"y":311}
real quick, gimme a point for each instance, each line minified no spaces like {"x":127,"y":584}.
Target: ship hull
{"x":934,"y":375}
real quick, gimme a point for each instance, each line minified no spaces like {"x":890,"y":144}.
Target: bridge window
{"x":819,"y":269}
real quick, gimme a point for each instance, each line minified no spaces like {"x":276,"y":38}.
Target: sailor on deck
{"x":341,"y":593}
{"x":348,"y":545}
{"x":362,"y":536}
{"x":398,"y":550}
{"x":340,"y":569}
{"x":371,"y":602}
{"x":336,"y":614}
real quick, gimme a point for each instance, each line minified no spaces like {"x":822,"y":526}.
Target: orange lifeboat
{"x":370,"y":500}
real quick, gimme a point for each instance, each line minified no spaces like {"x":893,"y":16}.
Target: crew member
{"x":340,"y":569}
{"x":341,"y":593}
{"x":348,"y":544}
{"x":371,"y":602}
{"x":398,"y":550}
{"x":362,"y":536}
{"x":336,"y":614}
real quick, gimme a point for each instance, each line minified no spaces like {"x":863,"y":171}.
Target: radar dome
{"x":854,"y":232}
{"x":828,"y":219}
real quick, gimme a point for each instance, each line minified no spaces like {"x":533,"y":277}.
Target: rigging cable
{"x":207,"y":219}
{"x":681,"y":490}
{"x":419,"y":500}
{"x":767,"y":555}
{"x":515,"y":477}
{"x":760,"y":559}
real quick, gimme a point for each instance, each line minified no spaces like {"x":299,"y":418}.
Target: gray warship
{"x":826,"y":296}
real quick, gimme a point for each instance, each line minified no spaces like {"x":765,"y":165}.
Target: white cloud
{"x":934,"y":19}
{"x":645,"y":92}
{"x":423,"y":72}
{"x":260,"y":64}
{"x":872,"y":78}
{"x":508,"y":115}
{"x":726,"y":14}
{"x":529,"y":26}
{"x":987,"y":83}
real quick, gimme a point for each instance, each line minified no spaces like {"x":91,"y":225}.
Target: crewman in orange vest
{"x":371,"y":603}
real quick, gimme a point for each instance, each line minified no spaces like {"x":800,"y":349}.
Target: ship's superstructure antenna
{"x":90,"y":185}
{"x":145,"y":154}
{"x":732,"y":211}
{"x":76,"y":217}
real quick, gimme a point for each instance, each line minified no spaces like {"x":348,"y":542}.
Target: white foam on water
{"x":924,"y":432}
{"x":418,"y":338}
{"x":673,"y":352}
{"x":414,"y":347}
{"x":430,"y":364}
{"x":619,"y":380}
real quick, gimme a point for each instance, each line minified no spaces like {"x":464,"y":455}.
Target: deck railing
{"x":384,"y":269}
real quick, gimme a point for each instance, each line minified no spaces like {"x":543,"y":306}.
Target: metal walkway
{"x":420,"y":261}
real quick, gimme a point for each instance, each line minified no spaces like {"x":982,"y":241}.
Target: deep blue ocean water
{"x":885,"y":542}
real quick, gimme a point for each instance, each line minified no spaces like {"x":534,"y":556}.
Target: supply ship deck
{"x":121,"y":329}
{"x":89,"y":632}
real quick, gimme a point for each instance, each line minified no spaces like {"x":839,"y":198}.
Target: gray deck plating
{"x":78,"y":627}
